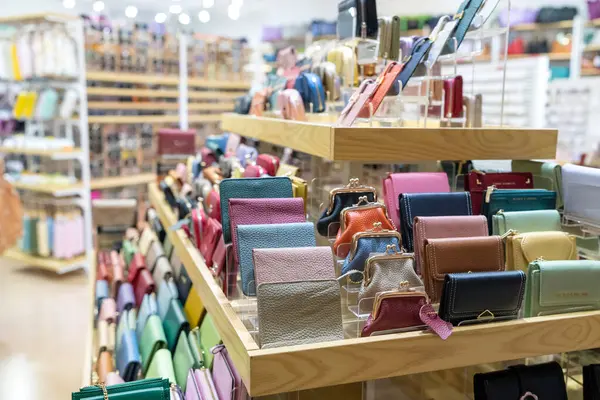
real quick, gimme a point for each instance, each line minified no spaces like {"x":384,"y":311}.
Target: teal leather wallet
{"x":526,"y":221}
{"x":556,"y":287}
{"x":174,"y":323}
{"x":166,"y":292}
{"x":145,"y":389}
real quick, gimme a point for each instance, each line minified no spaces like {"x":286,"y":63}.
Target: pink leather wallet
{"x":356,"y":103}
{"x":445,"y":227}
{"x":293,"y":264}
{"x":108,"y":310}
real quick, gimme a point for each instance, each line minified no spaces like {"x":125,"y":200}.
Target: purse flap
{"x":522,"y":200}
{"x":161,"y":366}
{"x":548,"y":245}
{"x":478,"y":181}
{"x":569,"y":282}
{"x":174,"y":322}
{"x":125,"y":297}
{"x":530,"y":221}
{"x":149,"y":307}
{"x":415,"y":182}
{"x":153,"y":338}
{"x":222,"y":373}
{"x":266,"y":211}
{"x":183,"y":359}
{"x":455,"y":255}
{"x":165,"y":295}
{"x":128,"y":352}
{"x":434,"y":205}
{"x":209,"y":338}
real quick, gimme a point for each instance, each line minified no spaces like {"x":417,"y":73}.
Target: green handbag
{"x":161,"y":366}
{"x":153,"y":339}
{"x":187,"y":356}
{"x":174,"y":323}
{"x":526,"y":221}
{"x":145,"y":389}
{"x":209,"y":338}
{"x":128,"y":250}
{"x":556,"y":287}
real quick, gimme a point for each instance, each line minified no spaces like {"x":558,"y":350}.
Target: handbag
{"x":128,"y":356}
{"x":456,"y":255}
{"x":200,"y":385}
{"x":108,"y":310}
{"x":152,"y":339}
{"x":149,"y":307}
{"x":269,"y":163}
{"x":414,"y":205}
{"x":187,"y":356}
{"x":469,"y":298}
{"x":525,"y":248}
{"x":176,"y":141}
{"x":291,"y":105}
{"x":147,"y":389}
{"x":212,"y":233}
{"x":579,"y":185}
{"x":193,"y":309}
{"x":209,"y":338}
{"x":311,"y":90}
{"x":327,"y":71}
{"x":125,"y":297}
{"x":478,"y":182}
{"x":286,"y":57}
{"x":161,"y":366}
{"x":101,"y":293}
{"x":227,"y":380}
{"x":128,"y":250}
{"x":526,"y":221}
{"x":174,"y":323}
{"x":260,"y":102}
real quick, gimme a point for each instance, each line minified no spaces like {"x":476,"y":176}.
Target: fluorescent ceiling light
{"x":174,"y":8}
{"x":98,"y":6}
{"x":233,"y":12}
{"x":160,"y":18}
{"x":208,"y":3}
{"x":68,"y":3}
{"x":184,"y":18}
{"x":204,"y":16}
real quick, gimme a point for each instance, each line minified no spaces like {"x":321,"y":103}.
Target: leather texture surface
{"x":200,"y":385}
{"x":226,"y":378}
{"x":364,"y":248}
{"x":149,"y":307}
{"x":142,"y":285}
{"x":250,"y":237}
{"x":414,"y":205}
{"x":293,"y":264}
{"x":478,"y":182}
{"x":555,"y":287}
{"x":153,"y":339}
{"x":525,"y":248}
{"x":250,"y":188}
{"x":126,"y":322}
{"x":104,"y":366}
{"x":166,"y":292}
{"x":174,"y":323}
{"x":154,"y":253}
{"x":360,"y":219}
{"x":128,"y":356}
{"x":287,"y":317}
{"x":162,"y":366}
{"x":183,"y":360}
{"x":456,"y":255}
{"x":193,"y":308}
{"x":445,"y":227}
{"x":211,"y":236}
{"x":108,"y":310}
{"x":147,"y":389}
{"x":518,"y":200}
{"x":526,"y":221}
{"x":125,"y":297}
{"x":579,"y":185}
{"x":395,"y":313}
{"x":162,"y":271}
{"x":209,"y":338}
{"x":411,"y":182}
{"x":467,"y":296}
{"x":340,"y":201}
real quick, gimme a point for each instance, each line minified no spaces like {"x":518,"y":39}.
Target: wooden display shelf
{"x":397,"y":144}
{"x":55,"y":189}
{"x":28,"y":18}
{"x":303,"y":367}
{"x":52,"y":264}
{"x":63,"y":154}
{"x":539,"y":26}
{"x":590,"y":71}
{"x":157,"y":105}
{"x":163,"y":93}
{"x":121,"y":181}
{"x":149,"y":119}
{"x":167,"y":80}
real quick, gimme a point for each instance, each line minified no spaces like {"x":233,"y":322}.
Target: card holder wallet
{"x":444,"y":227}
{"x":477,"y":297}
{"x":176,"y":141}
{"x":579,"y":185}
{"x":174,"y":323}
{"x":250,"y":237}
{"x":525,"y":248}
{"x":161,"y":367}
{"x":149,"y":307}
{"x":125,"y":297}
{"x":526,"y":221}
{"x":287,"y":319}
{"x":477,"y":183}
{"x":162,"y":270}
{"x":555,"y":287}
{"x":209,"y":338}
{"x":414,"y":205}
{"x":183,"y":285}
{"x":184,"y":359}
{"x":411,"y":182}
{"x":104,"y":366}
{"x":456,"y":255}
{"x":193,"y":308}
{"x":108,"y":310}
{"x":200,"y":385}
{"x":167,"y":290}
{"x":128,"y":356}
{"x":250,"y":188}
{"x":152,"y":339}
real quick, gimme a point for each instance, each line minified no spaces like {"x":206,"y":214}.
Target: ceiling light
{"x":208,"y":3}
{"x":237,"y":3}
{"x":174,"y":8}
{"x":233,"y":12}
{"x":184,"y":19}
{"x":160,"y":18}
{"x":68,"y":3}
{"x":98,"y":6}
{"x":131,"y":11}
{"x":204,"y":16}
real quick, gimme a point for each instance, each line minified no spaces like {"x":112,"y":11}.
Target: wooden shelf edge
{"x":52,"y":264}
{"x":57,"y":190}
{"x":120,"y":181}
{"x":167,"y":80}
{"x":62,"y":154}
{"x":149,"y":119}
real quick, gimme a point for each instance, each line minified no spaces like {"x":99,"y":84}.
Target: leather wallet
{"x":414,"y":205}
{"x":106,"y":336}
{"x":339,"y":199}
{"x":136,"y":265}
{"x":544,"y":381}
{"x":211,"y":235}
{"x":162,"y":367}
{"x":420,"y":49}
{"x":579,"y":185}
{"x":108,"y":310}
{"x":102,"y":292}
{"x":125,"y":297}
{"x":526,"y":221}
{"x":465,"y":14}
{"x":174,"y":323}
{"x":143,"y":284}
{"x":250,"y":188}
{"x":200,"y":385}
{"x":227,"y":380}
{"x":155,"y":252}
{"x":357,"y":102}
{"x":293,"y":264}
{"x":250,"y":237}
{"x":445,"y":227}
{"x":555,"y":287}
{"x":193,"y":308}
{"x":104,"y":366}
{"x":384,"y":83}
{"x":149,"y":307}
{"x":176,"y":141}
{"x":146,"y":239}
{"x":153,"y":339}
{"x":183,"y":285}
{"x":453,"y":100}
{"x":128,"y":356}
{"x":147,"y":389}
{"x":522,"y":249}
{"x":477,"y":183}
{"x":162,"y":271}
{"x":209,"y":338}
{"x":482,"y":297}
{"x":411,"y":182}
{"x":269,"y":163}
{"x":186,"y":357}
{"x":394,"y":311}
{"x":456,"y":255}
{"x":591,"y":382}
{"x":287,"y":319}
{"x":126,"y":322}
{"x":166,"y":292}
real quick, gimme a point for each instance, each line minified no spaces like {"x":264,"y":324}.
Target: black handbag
{"x":591,"y":382}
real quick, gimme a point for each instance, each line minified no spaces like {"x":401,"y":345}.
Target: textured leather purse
{"x":174,"y":323}
{"x":161,"y":366}
{"x":194,"y":309}
{"x":384,"y":272}
{"x":259,"y":188}
{"x":526,"y":221}
{"x":104,"y":366}
{"x":477,"y":297}
{"x":555,"y":287}
{"x":445,"y":227}
{"x":525,"y":248}
{"x":153,"y":339}
{"x":339,"y":199}
{"x":478,"y":182}
{"x":209,"y":338}
{"x":287,"y":319}
{"x":250,"y":237}
{"x":186,"y":357}
{"x":411,"y":182}
{"x":359,"y":218}
{"x":414,"y":205}
{"x":228,"y":382}
{"x":147,"y":389}
{"x":167,"y":290}
{"x":200,"y":385}
{"x":579,"y":185}
{"x":108,"y":310}
{"x":125,"y":297}
{"x":212,"y":234}
{"x":176,"y":141}
{"x":128,"y":356}
{"x":149,"y":307}
{"x":456,"y":255}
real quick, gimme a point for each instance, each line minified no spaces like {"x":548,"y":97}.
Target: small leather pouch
{"x":269,"y":163}
{"x":153,"y":339}
{"x":482,"y":297}
{"x":174,"y":323}
{"x":200,"y":385}
{"x":161,"y":366}
{"x":125,"y":297}
{"x":104,"y":366}
{"x":176,"y":141}
{"x":136,"y":265}
{"x":162,"y":270}
{"x":184,"y":284}
{"x":526,"y":221}
{"x":154,"y":253}
{"x":102,"y":292}
{"x":339,"y":199}
{"x":142,"y":285}
{"x":291,"y":105}
{"x":556,"y":287}
{"x":128,"y":356}
{"x":193,"y":308}
{"x":212,"y":234}
{"x":254,"y":171}
{"x":209,"y":338}
{"x":149,"y":307}
{"x":478,"y":182}
{"x":166,"y":292}
{"x":525,"y":248}
{"x":456,"y":255}
{"x":108,"y":310}
{"x":146,"y":239}
{"x":414,"y":205}
{"x":411,"y":182}
{"x":359,"y":218}
{"x":106,"y":336}
{"x":186,"y":357}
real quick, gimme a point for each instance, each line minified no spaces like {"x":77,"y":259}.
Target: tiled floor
{"x":44,"y":322}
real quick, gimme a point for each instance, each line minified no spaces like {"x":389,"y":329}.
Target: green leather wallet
{"x":174,"y":323}
{"x":153,"y":339}
{"x":187,"y":355}
{"x":161,"y":366}
{"x":556,"y":287}
{"x":209,"y":338}
{"x":128,"y":250}
{"x":526,"y":221}
{"x":145,"y":389}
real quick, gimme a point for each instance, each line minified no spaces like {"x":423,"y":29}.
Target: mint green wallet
{"x":526,"y":221}
{"x":161,"y":366}
{"x":556,"y":287}
{"x":153,"y":339}
{"x":187,"y":356}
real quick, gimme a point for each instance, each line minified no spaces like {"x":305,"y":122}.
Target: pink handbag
{"x":411,"y":182}
{"x":291,"y":105}
{"x":254,"y":171}
{"x":226,"y":378}
{"x":213,"y":232}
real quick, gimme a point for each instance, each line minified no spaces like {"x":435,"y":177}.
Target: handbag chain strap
{"x":102,"y":386}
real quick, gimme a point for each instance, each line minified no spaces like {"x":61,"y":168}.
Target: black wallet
{"x":591,"y":382}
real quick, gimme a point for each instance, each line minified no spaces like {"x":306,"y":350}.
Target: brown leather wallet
{"x":384,"y":82}
{"x":456,"y":255}
{"x":104,"y":366}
